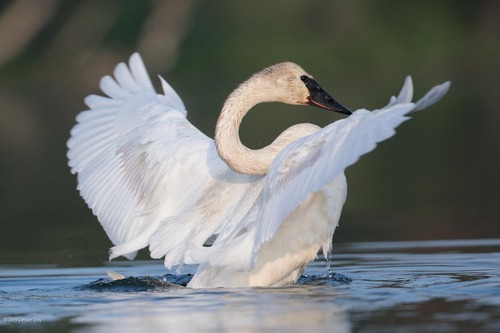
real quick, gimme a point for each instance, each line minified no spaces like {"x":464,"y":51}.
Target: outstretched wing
{"x":140,"y":161}
{"x":311,"y":163}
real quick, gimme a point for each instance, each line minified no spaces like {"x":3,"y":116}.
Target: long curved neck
{"x":229,"y":147}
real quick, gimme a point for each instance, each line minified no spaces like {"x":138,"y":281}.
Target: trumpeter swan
{"x":154,"y":180}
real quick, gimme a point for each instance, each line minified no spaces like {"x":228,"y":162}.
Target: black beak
{"x":320,"y":98}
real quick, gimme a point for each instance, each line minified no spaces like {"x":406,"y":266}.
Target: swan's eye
{"x":304,"y":78}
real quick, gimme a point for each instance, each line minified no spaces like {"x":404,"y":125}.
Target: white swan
{"x":154,"y":180}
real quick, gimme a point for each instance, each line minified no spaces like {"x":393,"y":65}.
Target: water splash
{"x":178,"y":279}
{"x":330,"y":278}
{"x":132,"y":284}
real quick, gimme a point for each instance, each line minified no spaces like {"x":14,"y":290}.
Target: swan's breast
{"x":302,"y":234}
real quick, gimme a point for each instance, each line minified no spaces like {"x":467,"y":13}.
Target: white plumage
{"x":154,"y":180}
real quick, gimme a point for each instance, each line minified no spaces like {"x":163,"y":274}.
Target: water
{"x":437,"y":286}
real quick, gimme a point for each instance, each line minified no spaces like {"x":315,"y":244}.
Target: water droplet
{"x":328,"y":258}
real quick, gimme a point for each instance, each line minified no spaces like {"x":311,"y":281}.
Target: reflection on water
{"x":398,"y":286}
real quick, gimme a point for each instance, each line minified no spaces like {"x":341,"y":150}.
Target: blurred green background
{"x":438,"y":178}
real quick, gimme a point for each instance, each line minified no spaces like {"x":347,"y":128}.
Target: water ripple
{"x":381,"y":287}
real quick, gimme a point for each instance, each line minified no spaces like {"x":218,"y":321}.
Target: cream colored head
{"x":283,"y":83}
{"x":288,"y":83}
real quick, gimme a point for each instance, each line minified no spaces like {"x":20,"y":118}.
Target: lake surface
{"x":427,"y":286}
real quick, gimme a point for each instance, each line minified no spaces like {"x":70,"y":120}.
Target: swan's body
{"x":154,"y":180}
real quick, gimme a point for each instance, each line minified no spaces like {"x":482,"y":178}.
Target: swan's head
{"x":289,"y":83}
